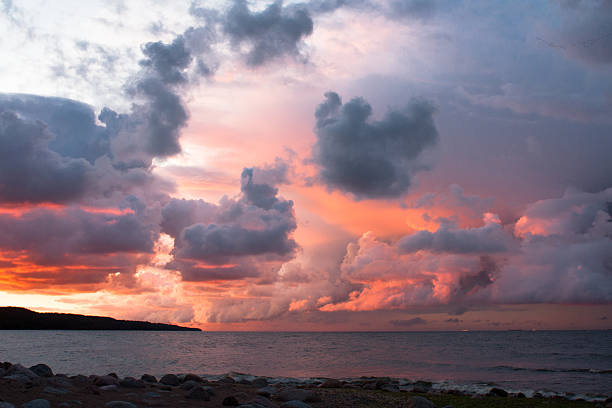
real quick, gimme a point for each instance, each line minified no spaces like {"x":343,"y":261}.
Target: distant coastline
{"x":19,"y":318}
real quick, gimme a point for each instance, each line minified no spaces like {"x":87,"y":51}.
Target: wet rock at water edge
{"x":192,"y":377}
{"x":420,"y":402}
{"x":198,"y":393}
{"x":42,"y":370}
{"x":131,"y":382}
{"x":37,"y":403}
{"x":260,"y":382}
{"x":170,"y":379}
{"x":497,"y":392}
{"x":332,"y":383}
{"x":105,"y":380}
{"x":148,"y":378}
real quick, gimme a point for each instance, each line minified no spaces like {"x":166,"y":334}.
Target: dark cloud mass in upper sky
{"x":369,"y":158}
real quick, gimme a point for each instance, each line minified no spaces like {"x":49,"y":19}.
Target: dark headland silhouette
{"x":19,"y":318}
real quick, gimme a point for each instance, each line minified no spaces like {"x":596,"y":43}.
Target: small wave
{"x":556,"y":370}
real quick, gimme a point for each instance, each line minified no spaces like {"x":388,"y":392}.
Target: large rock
{"x":17,"y":370}
{"x":295,"y":394}
{"x":170,"y":379}
{"x":131,"y":382}
{"x":187,"y":385}
{"x":42,"y":370}
{"x":295,"y":404}
{"x":497,"y":392}
{"x":4,"y":404}
{"x":119,"y":404}
{"x":420,"y":402}
{"x":148,"y":378}
{"x":105,"y":380}
{"x":37,"y":403}
{"x":192,"y":377}
{"x":230,"y":401}
{"x":198,"y":393}
{"x":267,"y":391}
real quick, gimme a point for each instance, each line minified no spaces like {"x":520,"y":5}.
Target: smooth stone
{"x":119,"y":404}
{"x":420,"y":402}
{"x":4,"y":404}
{"x":331,"y":383}
{"x":230,"y":401}
{"x":151,"y":394}
{"x":19,"y":370}
{"x":267,"y":391}
{"x":113,"y":375}
{"x":106,"y":380}
{"x":260,"y":382}
{"x":497,"y":392}
{"x":170,"y":379}
{"x":37,"y":403}
{"x":262,"y":402}
{"x":111,"y":387}
{"x":198,"y":393}
{"x":192,"y":377}
{"x":210,"y":390}
{"x":42,"y":370}
{"x":131,"y":382}
{"x":295,"y":404}
{"x":187,"y":385}
{"x":148,"y":378}
{"x":55,"y":390}
{"x":298,"y":395}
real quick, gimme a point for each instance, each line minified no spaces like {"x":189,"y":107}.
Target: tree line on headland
{"x":19,"y":318}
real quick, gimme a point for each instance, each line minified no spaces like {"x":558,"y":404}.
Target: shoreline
{"x":20,"y":386}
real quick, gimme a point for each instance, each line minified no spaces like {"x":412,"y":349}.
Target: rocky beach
{"x":39,"y":387}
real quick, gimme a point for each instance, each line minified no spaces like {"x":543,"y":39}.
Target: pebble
{"x":230,"y":401}
{"x":37,"y":403}
{"x":119,"y":404}
{"x":298,"y":395}
{"x":295,"y":404}
{"x":55,"y":390}
{"x":420,"y":402}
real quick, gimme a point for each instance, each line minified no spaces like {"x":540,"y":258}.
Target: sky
{"x":309,"y":165}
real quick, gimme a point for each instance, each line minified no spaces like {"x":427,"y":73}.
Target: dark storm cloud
{"x":275,"y":32}
{"x":58,"y":236}
{"x":448,"y":238}
{"x":371,"y":159}
{"x":242,"y":232}
{"x":30,"y":171}
{"x":72,"y":123}
{"x":168,"y":60}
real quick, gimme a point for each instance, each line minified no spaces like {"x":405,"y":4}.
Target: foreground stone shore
{"x":39,"y":387}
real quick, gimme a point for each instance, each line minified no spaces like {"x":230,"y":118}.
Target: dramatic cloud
{"x":234,"y":239}
{"x":272,"y":33}
{"x":560,"y":250}
{"x":371,"y":159}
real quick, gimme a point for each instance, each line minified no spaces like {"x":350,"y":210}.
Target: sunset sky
{"x":318,"y":165}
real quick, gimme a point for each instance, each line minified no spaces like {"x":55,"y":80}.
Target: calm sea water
{"x":560,"y":361}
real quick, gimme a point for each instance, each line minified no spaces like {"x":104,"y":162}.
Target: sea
{"x":577,"y":363}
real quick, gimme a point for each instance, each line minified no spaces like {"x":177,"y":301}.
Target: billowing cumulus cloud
{"x":560,"y":250}
{"x":274,"y":32}
{"x":234,"y":239}
{"x":369,"y":158}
